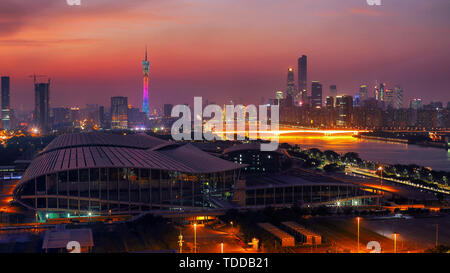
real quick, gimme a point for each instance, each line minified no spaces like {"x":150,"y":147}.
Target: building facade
{"x":111,"y":173}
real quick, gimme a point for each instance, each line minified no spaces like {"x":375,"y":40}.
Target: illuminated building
{"x":258,"y":161}
{"x":112,"y":173}
{"x":389,"y":98}
{"x":344,"y":109}
{"x":290,"y":86}
{"x":302,"y":79}
{"x":146,"y":70}
{"x":6,"y":114}
{"x":398,"y":97}
{"x":119,"y":112}
{"x":415,"y":104}
{"x":42,"y":106}
{"x":363,"y":92}
{"x":316,"y":94}
{"x":278,"y":97}
{"x":302,"y":189}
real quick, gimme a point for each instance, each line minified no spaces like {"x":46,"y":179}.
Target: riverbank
{"x":433,"y":144}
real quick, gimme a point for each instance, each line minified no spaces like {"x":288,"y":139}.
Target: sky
{"x":221,"y":49}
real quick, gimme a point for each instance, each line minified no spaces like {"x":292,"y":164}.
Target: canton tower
{"x":145,"y":68}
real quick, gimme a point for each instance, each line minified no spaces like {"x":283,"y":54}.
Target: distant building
{"x":363,"y":92}
{"x":119,"y":112}
{"x":136,"y":118}
{"x":61,"y":117}
{"x":415,"y":104}
{"x":316,"y":94}
{"x":356,"y":101}
{"x":42,"y":106}
{"x":302,"y":79}
{"x":389,"y":98}
{"x":398,"y":97}
{"x":6,"y":115}
{"x":333,"y":90}
{"x":290,"y":85}
{"x":101,"y":117}
{"x":344,"y":109}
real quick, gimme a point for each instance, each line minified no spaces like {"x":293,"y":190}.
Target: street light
{"x":195,"y":237}
{"x":180,"y":242}
{"x":358,"y":219}
{"x":232,"y":228}
{"x":381,"y":181}
{"x":395,"y":242}
{"x":221,"y":248}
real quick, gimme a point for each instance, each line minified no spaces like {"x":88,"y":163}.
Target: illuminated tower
{"x":145,"y":68}
{"x":291,"y":89}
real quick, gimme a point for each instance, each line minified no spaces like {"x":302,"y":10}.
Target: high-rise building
{"x":356,"y":101}
{"x":101,"y":117}
{"x":316,"y":94}
{"x":398,"y":97}
{"x":6,"y":115}
{"x":389,"y":98}
{"x":415,"y":104}
{"x":146,"y":70}
{"x":333,"y":90}
{"x":42,"y":106}
{"x":302,"y":80}
{"x":344,"y":109}
{"x":290,"y":86}
{"x":363,"y":92}
{"x":381,"y":91}
{"x":119,"y":112}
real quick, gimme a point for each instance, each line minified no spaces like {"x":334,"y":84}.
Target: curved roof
{"x":138,"y":141}
{"x":100,"y":150}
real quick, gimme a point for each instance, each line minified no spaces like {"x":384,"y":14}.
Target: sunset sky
{"x":221,"y":49}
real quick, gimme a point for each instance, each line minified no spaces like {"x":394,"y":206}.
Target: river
{"x":378,"y":151}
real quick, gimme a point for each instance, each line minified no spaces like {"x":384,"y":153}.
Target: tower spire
{"x":145,"y":52}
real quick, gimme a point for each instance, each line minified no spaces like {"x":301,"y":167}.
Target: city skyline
{"x":98,"y":65}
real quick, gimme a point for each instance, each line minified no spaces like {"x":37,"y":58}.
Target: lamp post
{"x":357,"y":220}
{"x":221,"y":248}
{"x":232,"y":228}
{"x":381,"y":182}
{"x":180,"y":242}
{"x":195,"y":237}
{"x":395,"y":242}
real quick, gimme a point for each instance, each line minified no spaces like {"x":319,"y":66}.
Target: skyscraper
{"x":316,"y":94}
{"x":333,"y":90}
{"x":290,"y":86}
{"x":119,"y":112}
{"x":415,"y":104}
{"x":363,"y":92}
{"x":6,"y":115}
{"x":302,"y":80}
{"x":42,"y":106}
{"x":344,"y":108}
{"x":389,"y":98}
{"x":398,"y":97}
{"x":146,"y":70}
{"x":381,"y":91}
